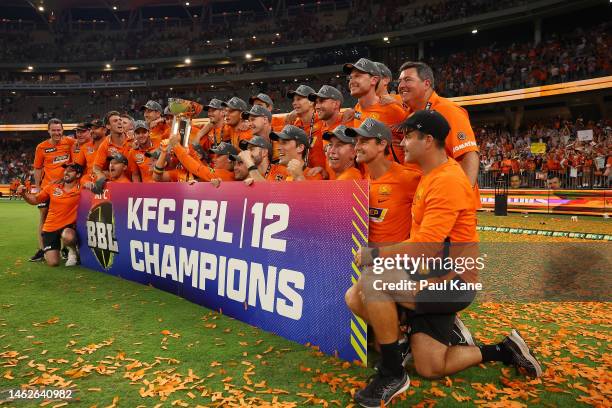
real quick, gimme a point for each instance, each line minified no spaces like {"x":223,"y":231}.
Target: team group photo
{"x":227,"y":203}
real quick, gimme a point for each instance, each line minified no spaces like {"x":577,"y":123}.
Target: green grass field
{"x":121,"y":344}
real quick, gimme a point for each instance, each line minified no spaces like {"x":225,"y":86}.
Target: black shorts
{"x":52,"y":241}
{"x":435,"y":312}
{"x":43,"y":204}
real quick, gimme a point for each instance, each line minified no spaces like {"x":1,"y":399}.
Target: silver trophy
{"x":184,"y":111}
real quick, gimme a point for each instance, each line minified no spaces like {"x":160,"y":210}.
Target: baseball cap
{"x":339,"y":132}
{"x":257,"y":110}
{"x":363,"y":65}
{"x":291,"y":132}
{"x":214,"y":103}
{"x":302,"y":90}
{"x":140,"y":124}
{"x":371,"y":128}
{"x":118,"y":157}
{"x":97,"y":123}
{"x":262,"y":97}
{"x":76,"y":166}
{"x":152,"y":105}
{"x":384,"y":70}
{"x":224,"y":148}
{"x":429,"y":122}
{"x":235,"y":157}
{"x":256,"y":140}
{"x":327,"y":92}
{"x":82,"y":126}
{"x":236,"y":104}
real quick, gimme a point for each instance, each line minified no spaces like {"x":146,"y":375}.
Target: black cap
{"x":224,"y":148}
{"x":236,"y":104}
{"x":257,"y":110}
{"x":262,"y":97}
{"x":152,"y":105}
{"x":429,"y":122}
{"x":118,"y":157}
{"x":256,"y":140}
{"x":327,"y":92}
{"x":96,"y":123}
{"x":77,"y":167}
{"x":291,"y":132}
{"x":82,"y":126}
{"x":339,"y":132}
{"x":363,"y":65}
{"x":214,"y":103}
{"x":371,"y":128}
{"x":302,"y":90}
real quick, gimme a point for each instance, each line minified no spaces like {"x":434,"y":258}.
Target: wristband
{"x":375,"y":253}
{"x":253,"y":167}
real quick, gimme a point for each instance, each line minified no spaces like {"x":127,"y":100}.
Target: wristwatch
{"x":253,"y":167}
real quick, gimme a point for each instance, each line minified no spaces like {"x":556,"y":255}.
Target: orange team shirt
{"x":106,"y":148}
{"x":28,"y":185}
{"x":15,"y":184}
{"x":390,"y":202}
{"x":122,"y":179}
{"x":199,"y":169}
{"x":50,"y":157}
{"x":62,"y":207}
{"x":213,"y":137}
{"x":160,"y":132}
{"x":235,"y":135}
{"x":316,"y":155}
{"x":278,"y":123}
{"x":352,"y":173}
{"x":391,"y":115}
{"x":86,"y":158}
{"x":277,"y":173}
{"x":139,"y":163}
{"x":443,"y":206}
{"x":461,"y":138}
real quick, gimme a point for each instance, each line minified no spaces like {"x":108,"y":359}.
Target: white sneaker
{"x":72,"y":260}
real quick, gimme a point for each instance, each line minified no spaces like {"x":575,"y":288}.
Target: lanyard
{"x":312,"y":121}
{"x":268,"y":170}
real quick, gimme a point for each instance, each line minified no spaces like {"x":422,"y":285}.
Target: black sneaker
{"x":64,"y":253}
{"x":382,"y":388}
{"x":461,"y":335}
{"x":38,"y":256}
{"x":521,"y":355}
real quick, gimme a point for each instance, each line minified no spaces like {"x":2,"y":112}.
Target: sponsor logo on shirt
{"x":139,"y":158}
{"x":90,"y":150}
{"x":61,"y":159}
{"x":50,"y":149}
{"x":58,"y":192}
{"x":469,"y":143}
{"x":357,"y":115}
{"x":378,"y":214}
{"x":461,"y":136}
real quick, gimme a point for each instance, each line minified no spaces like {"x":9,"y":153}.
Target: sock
{"x":392,"y":358}
{"x":71,"y":251}
{"x":495,"y":352}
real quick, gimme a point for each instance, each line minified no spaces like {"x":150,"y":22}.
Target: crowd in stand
{"x":16,"y":158}
{"x":301,"y":28}
{"x":560,"y":58}
{"x":576,"y":163}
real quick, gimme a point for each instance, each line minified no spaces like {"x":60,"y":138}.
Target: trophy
{"x":183,"y":111}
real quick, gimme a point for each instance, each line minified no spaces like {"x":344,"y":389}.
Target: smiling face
{"x":115,"y":124}
{"x":289,"y":149}
{"x":150,"y":115}
{"x":83,"y":136}
{"x":301,"y":104}
{"x":340,"y":155}
{"x":327,"y":108}
{"x":240,"y":170}
{"x":222,"y":161}
{"x":367,"y":149}
{"x":216,"y":115}
{"x":361,"y":83}
{"x":258,"y":154}
{"x":411,"y":87}
{"x":70,"y":175}
{"x":258,"y":124}
{"x":56,"y":132}
{"x":232,"y":117}
{"x":142,"y":136}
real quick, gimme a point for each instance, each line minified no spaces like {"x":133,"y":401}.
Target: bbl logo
{"x":101,"y":234}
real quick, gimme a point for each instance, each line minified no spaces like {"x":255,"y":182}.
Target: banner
{"x":538,"y":148}
{"x":585,"y":202}
{"x":585,"y":135}
{"x":274,"y":255}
